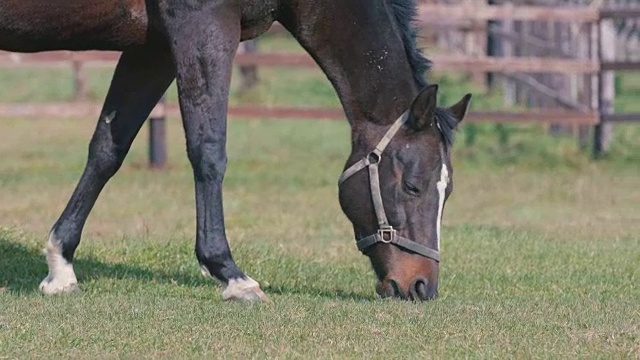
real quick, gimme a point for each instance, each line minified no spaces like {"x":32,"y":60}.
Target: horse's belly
{"x":36,"y":25}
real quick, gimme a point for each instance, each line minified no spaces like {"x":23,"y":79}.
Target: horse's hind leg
{"x":141,"y":77}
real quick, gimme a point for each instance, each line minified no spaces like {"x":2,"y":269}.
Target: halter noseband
{"x":386,"y":233}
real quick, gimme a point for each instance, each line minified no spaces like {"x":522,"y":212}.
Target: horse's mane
{"x":406,"y":12}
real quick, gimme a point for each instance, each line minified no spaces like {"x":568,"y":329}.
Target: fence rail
{"x":482,"y":12}
{"x":86,"y":109}
{"x":594,"y":67}
{"x":440,"y":62}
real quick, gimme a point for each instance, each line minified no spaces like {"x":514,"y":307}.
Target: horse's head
{"x":396,"y":182}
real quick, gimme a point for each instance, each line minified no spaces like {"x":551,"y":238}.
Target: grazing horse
{"x":396,"y":179}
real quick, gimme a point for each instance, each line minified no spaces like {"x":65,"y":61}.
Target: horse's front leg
{"x":204,"y":39}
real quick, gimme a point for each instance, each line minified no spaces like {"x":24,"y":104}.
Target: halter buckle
{"x":387,"y":234}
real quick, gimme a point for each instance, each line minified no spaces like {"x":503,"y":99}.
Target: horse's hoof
{"x":244,"y":290}
{"x":54,"y":286}
{"x":61,"y":279}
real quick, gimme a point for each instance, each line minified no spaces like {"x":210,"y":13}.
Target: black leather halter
{"x":386,"y":233}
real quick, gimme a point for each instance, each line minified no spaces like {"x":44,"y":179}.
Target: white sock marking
{"x":243,"y":289}
{"x":61,"y":276}
{"x":442,"y":186}
{"x":238,"y":289}
{"x":205,"y":272}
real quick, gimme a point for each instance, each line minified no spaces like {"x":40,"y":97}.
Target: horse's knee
{"x":209,"y":161}
{"x":105,"y":156}
{"x":104,"y":163}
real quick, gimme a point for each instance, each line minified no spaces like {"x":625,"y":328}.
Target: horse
{"x":397,"y":177}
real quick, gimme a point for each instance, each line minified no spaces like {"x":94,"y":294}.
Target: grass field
{"x":540,"y":245}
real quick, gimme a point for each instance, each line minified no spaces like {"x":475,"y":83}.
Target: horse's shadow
{"x":22,"y":268}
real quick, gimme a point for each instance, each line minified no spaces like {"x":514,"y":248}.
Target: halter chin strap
{"x":386,"y":233}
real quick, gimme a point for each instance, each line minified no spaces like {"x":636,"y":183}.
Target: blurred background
{"x":565,"y":69}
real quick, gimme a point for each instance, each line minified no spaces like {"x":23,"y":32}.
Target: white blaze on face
{"x":442,"y":186}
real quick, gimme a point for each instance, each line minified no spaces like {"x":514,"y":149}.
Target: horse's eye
{"x":410,"y":188}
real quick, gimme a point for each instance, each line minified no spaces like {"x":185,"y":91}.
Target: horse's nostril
{"x":418,"y":289}
{"x":397,"y":291}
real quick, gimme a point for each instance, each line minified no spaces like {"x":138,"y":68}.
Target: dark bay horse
{"x":396,"y":179}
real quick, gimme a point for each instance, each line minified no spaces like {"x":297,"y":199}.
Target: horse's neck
{"x":360,"y":50}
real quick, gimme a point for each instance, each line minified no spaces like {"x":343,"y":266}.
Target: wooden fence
{"x":598,"y":67}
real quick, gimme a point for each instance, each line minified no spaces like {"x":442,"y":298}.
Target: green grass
{"x":542,"y":262}
{"x":540,"y":243}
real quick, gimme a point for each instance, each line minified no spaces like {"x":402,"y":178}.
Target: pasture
{"x":540,"y":244}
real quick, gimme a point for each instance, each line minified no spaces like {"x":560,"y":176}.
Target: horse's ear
{"x":421,"y":113}
{"x":459,"y":110}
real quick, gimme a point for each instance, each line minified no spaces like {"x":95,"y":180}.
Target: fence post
{"x":157,"y":136}
{"x":594,"y":92}
{"x":509,"y":85}
{"x":603,"y":132}
{"x":79,"y":83}
{"x":586,"y":50}
{"x":248,"y":73}
{"x":495,"y":45}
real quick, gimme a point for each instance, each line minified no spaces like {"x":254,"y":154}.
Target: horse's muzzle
{"x":419,"y":289}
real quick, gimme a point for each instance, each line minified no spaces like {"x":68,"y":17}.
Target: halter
{"x":386,"y":234}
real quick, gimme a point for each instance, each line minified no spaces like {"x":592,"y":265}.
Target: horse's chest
{"x":257,"y":17}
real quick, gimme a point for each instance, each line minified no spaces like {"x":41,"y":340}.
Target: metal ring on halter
{"x":373,"y":158}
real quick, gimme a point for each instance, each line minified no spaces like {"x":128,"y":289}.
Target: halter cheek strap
{"x":386,"y":233}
